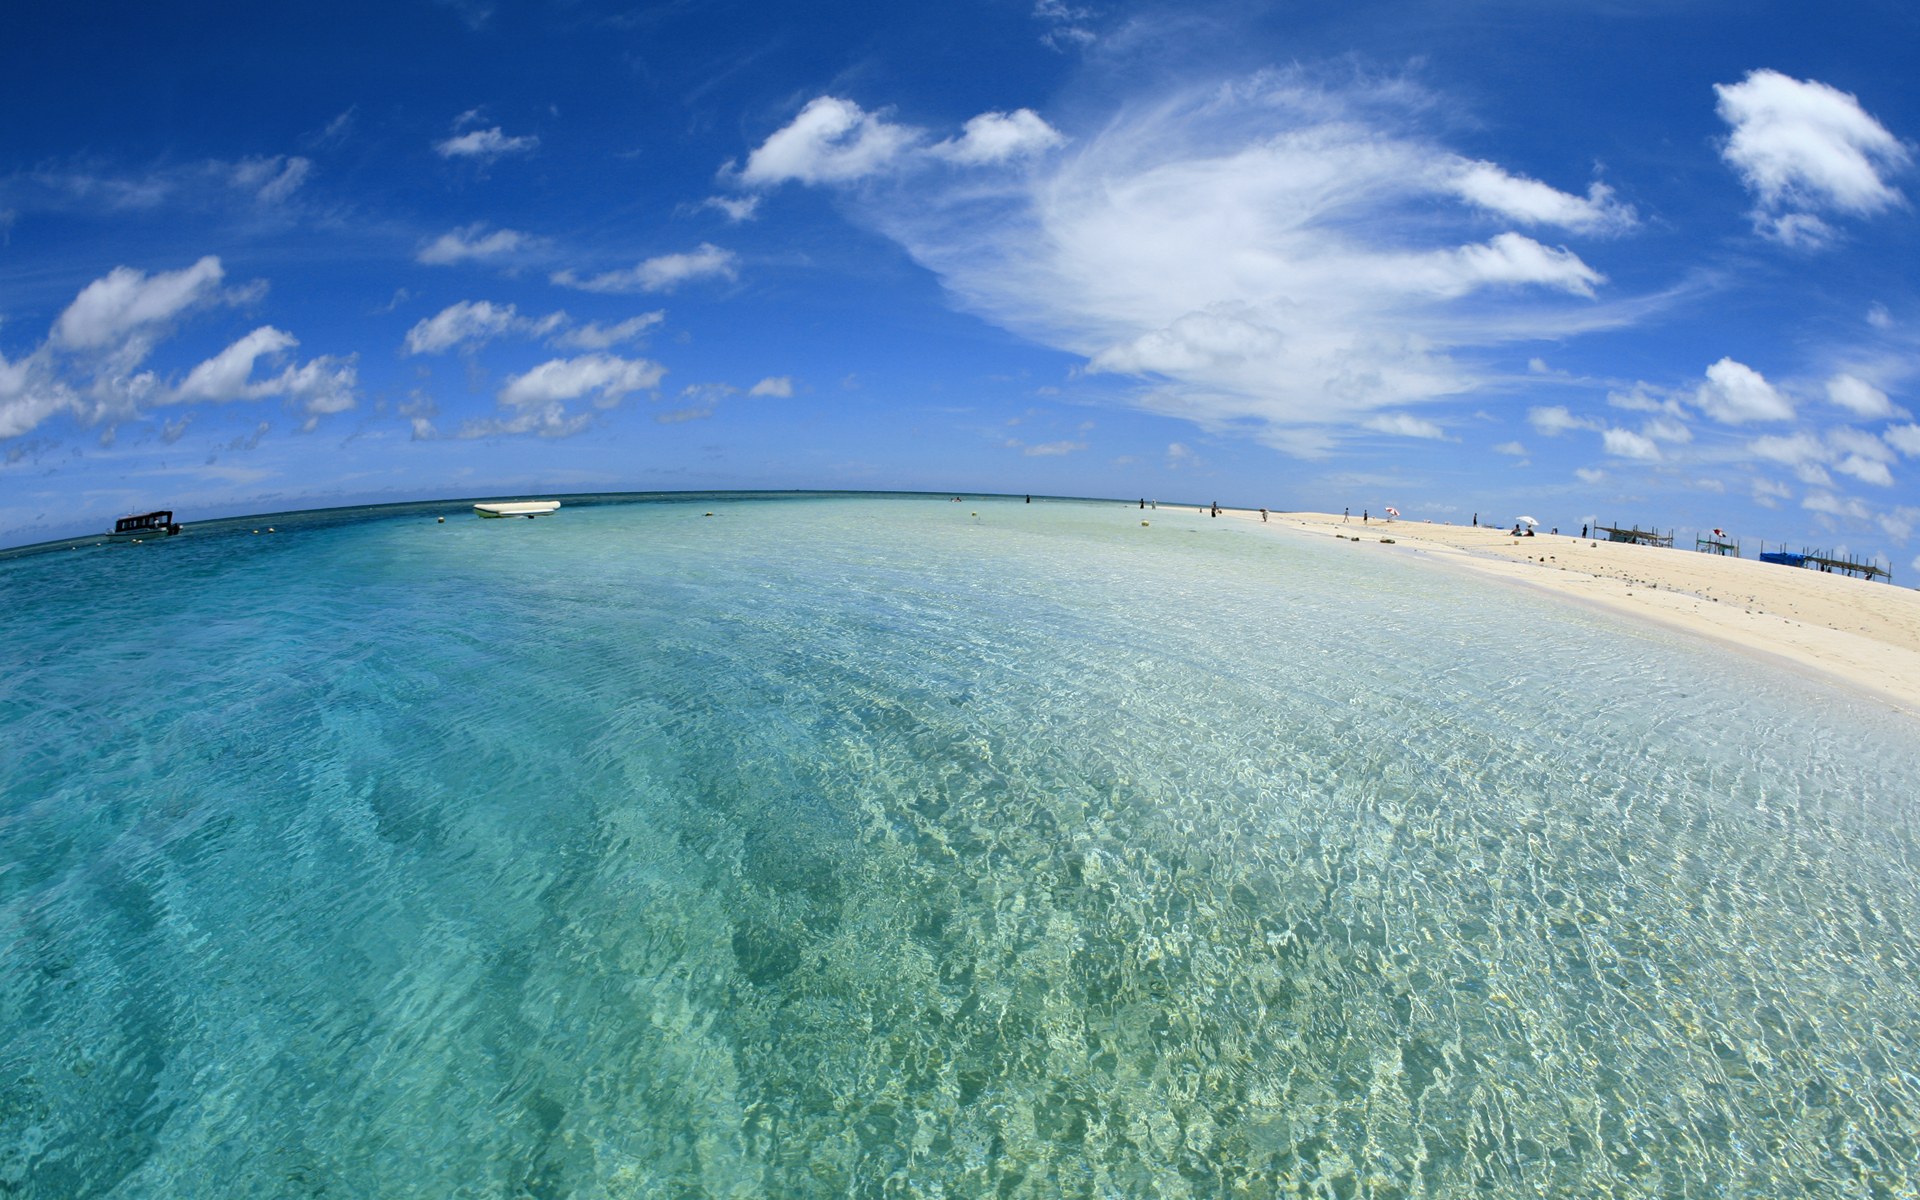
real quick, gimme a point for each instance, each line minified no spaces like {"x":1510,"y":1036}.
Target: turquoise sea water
{"x":871,"y":847}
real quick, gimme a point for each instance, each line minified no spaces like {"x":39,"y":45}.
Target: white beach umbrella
{"x":1529,"y":522}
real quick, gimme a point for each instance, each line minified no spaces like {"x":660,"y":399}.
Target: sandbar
{"x":1865,"y":635}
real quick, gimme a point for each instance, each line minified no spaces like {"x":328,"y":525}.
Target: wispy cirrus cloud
{"x":660,"y":274}
{"x":476,"y":243}
{"x":485,"y":145}
{"x":1268,"y":253}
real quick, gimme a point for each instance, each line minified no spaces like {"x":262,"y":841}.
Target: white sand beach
{"x":1866,"y":634}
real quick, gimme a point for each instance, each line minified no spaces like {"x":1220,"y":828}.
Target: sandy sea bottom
{"x":831,"y":847}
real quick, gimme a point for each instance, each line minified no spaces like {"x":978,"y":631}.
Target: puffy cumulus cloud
{"x":1512,"y":258}
{"x":1803,"y":148}
{"x":609,"y":377}
{"x":779,"y":386}
{"x":319,"y":386}
{"x":1835,"y":506}
{"x":1534,"y":203}
{"x":1860,"y":398}
{"x":835,"y":141}
{"x":1267,"y":253}
{"x":661,"y":274}
{"x":994,"y":137}
{"x":1851,"y":452}
{"x":831,"y":141}
{"x":1405,"y":425}
{"x":128,"y":305}
{"x":1736,"y":394}
{"x":1625,"y":443}
{"x":88,"y":365}
{"x":225,"y":376}
{"x":1554,"y":420}
{"x":1803,"y":452}
{"x":473,"y":323}
{"x":536,"y":402}
{"x":485,"y":144}
{"x":473,"y":243}
{"x":1905,"y":439}
{"x":470,"y":322}
{"x":31,"y":394}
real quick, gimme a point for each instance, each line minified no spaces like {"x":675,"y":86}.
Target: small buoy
{"x":269,"y":529}
{"x":973,"y":514}
{"x":1143,"y":524}
{"x":442,"y":520}
{"x":256,"y":531}
{"x":709,"y":514}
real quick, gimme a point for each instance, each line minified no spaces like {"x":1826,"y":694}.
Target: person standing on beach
{"x":1364,"y":517}
{"x":1346,"y":514}
{"x":1263,"y":516}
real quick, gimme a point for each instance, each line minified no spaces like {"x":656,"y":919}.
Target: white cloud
{"x":1878,"y":316}
{"x":129,"y":305}
{"x":1535,"y":203}
{"x":831,"y":141}
{"x":1835,"y":506}
{"x":30,"y":395}
{"x":1625,"y":443}
{"x":470,"y":322}
{"x":1589,"y":475}
{"x":1045,"y":449}
{"x":1803,"y":147}
{"x":1905,"y":439}
{"x":1859,"y":397}
{"x":1278,"y":255}
{"x":994,"y":137}
{"x":536,"y":401}
{"x":1513,"y":448}
{"x":320,"y":386}
{"x":661,"y":274}
{"x":1513,"y":259}
{"x":472,"y":244}
{"x":1735,"y":394}
{"x":562,"y":379}
{"x":1554,"y":420}
{"x":1403,"y":425}
{"x":1664,"y":429}
{"x":595,"y":336}
{"x":737,"y":208}
{"x":226,"y":375}
{"x":1066,"y":23}
{"x":1644,"y":397}
{"x":485,"y":144}
{"x":780,"y":386}
{"x":271,"y":180}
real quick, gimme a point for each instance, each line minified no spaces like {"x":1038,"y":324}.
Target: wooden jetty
{"x":1636,"y":535}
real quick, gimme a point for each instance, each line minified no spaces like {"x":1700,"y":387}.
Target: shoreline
{"x":1863,"y":635}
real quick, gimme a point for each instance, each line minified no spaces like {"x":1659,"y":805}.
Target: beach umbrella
{"x":1393,"y":512}
{"x":1529,"y":522}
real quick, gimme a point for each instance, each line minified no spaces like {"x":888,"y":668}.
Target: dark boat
{"x":145,"y":525}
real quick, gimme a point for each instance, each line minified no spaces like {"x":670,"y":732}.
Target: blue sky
{"x":1641,"y":262}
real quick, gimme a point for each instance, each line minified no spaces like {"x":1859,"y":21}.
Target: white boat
{"x":516,"y":508}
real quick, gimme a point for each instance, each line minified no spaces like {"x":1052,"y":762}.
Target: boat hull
{"x":516,"y":508}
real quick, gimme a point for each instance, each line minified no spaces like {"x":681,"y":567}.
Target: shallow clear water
{"x":832,"y":847}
